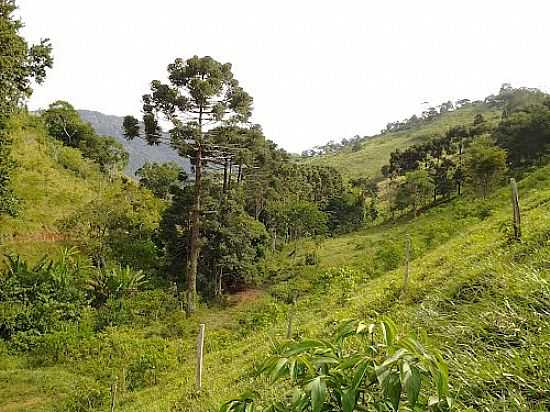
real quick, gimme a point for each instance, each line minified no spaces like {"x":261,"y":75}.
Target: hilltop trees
{"x":201,"y":94}
{"x":63,"y":123}
{"x":20,"y":65}
{"x":525,"y":135}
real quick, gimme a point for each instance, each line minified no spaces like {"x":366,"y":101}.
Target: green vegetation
{"x":408,"y":287}
{"x":375,"y":150}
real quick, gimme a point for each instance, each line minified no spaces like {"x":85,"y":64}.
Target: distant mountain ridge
{"x":139,"y":151}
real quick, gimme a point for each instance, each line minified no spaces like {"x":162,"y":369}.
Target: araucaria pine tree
{"x":201,"y":96}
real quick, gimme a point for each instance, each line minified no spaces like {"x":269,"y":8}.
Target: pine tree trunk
{"x":195,"y":234}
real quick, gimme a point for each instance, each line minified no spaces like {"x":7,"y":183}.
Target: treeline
{"x":64,"y":124}
{"x":476,"y":154}
{"x":332,"y":146}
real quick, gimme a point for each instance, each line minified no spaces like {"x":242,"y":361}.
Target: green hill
{"x":52,"y":182}
{"x":375,"y":151}
{"x":482,"y":300}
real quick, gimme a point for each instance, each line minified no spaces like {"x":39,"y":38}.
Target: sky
{"x":317,"y":70}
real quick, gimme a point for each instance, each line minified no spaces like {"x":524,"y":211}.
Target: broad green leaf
{"x":360,"y":373}
{"x":392,"y":389}
{"x":305,"y":346}
{"x":389,"y":331}
{"x":318,"y":391}
{"x":349,"y":399}
{"x":410,"y":381}
{"x":278,"y":370}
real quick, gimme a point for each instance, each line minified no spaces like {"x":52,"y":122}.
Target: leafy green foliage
{"x":63,"y":122}
{"x":160,"y":178}
{"x":485,"y":165}
{"x":20,"y":65}
{"x":38,"y":298}
{"x":117,"y":226}
{"x":363,"y":367}
{"x":113,"y":283}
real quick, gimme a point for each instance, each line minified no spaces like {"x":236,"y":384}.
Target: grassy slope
{"x":52,"y":181}
{"x":375,"y":152}
{"x":482,"y":301}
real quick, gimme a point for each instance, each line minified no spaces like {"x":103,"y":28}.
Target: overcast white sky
{"x":318,"y":70}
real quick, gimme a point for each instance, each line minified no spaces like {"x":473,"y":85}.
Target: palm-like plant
{"x":363,"y":368}
{"x":115,"y":282}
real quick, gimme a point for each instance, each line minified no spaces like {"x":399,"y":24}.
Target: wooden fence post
{"x":407,"y":264}
{"x":113,"y":394}
{"x":516,"y":211}
{"x":291,"y":310}
{"x":200,"y":353}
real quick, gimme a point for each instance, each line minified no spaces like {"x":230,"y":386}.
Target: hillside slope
{"x":483,"y":301}
{"x":52,"y":181}
{"x":375,"y":151}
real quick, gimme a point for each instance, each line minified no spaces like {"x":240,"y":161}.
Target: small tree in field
{"x":485,"y":165}
{"x":201,"y":95}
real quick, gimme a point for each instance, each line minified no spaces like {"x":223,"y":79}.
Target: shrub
{"x":39,"y":298}
{"x":87,"y":397}
{"x":311,"y":259}
{"x":143,"y":371}
{"x":138,"y":308}
{"x":114,"y":283}
{"x":363,"y":367}
{"x":388,"y":257}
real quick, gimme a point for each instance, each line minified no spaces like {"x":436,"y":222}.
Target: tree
{"x":201,"y":93}
{"x":415,"y":191}
{"x":232,"y":241}
{"x":159,"y":178}
{"x":63,"y":122}
{"x":117,"y":227}
{"x":20,"y":65}
{"x":525,"y":135}
{"x":485,"y":164}
{"x":109,"y":154}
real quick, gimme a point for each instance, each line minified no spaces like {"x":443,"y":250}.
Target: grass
{"x":375,"y":151}
{"x":483,"y":301}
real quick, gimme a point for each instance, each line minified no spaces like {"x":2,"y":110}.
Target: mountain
{"x":139,"y":151}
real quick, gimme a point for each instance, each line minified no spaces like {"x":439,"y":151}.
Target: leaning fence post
{"x":407,"y":259}
{"x":515,"y":207}
{"x":113,"y":394}
{"x":200,"y":352}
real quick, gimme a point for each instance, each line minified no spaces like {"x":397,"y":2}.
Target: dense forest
{"x":324,"y":282}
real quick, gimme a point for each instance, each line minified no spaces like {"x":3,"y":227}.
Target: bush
{"x":138,"y":308}
{"x":37,"y":299}
{"x":388,"y":257}
{"x":87,"y":397}
{"x":346,"y":374}
{"x":263,"y":314}
{"x":143,"y":371}
{"x":311,"y":259}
